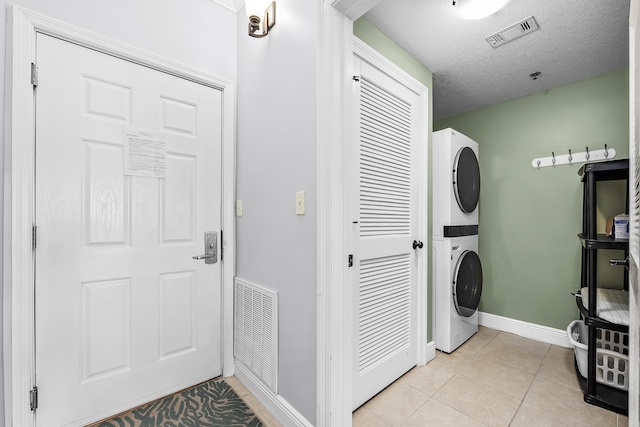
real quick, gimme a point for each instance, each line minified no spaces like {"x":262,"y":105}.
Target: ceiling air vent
{"x":512,"y":32}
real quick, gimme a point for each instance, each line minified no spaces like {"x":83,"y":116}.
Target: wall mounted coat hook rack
{"x":571,"y":158}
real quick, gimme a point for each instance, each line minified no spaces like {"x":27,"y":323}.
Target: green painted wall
{"x":381,"y":43}
{"x":529,"y":218}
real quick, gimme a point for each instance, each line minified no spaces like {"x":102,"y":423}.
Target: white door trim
{"x":19,"y":193}
{"x":334,"y":125}
{"x":333,"y":381}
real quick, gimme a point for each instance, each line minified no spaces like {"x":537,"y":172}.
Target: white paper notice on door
{"x":145,"y":153}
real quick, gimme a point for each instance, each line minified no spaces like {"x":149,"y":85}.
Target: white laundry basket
{"x":612,"y":349}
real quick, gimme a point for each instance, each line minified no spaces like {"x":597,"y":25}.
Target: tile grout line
{"x":519,"y":406}
{"x":474,"y":357}
{"x":460,"y":412}
{"x":547,"y":409}
{"x":459,"y":365}
{"x":485,"y":385}
{"x":542,"y":360}
{"x":529,"y":388}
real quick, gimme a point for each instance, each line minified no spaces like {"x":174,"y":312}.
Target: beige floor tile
{"x":562,"y":399}
{"x":265,"y":416}
{"x":396,"y":403}
{"x":532,"y":416}
{"x":501,"y":377}
{"x":428,"y":378}
{"x":515,"y":351}
{"x":623,"y":421}
{"x":480,"y":402}
{"x":436,"y":414}
{"x":478,"y":341}
{"x":237,"y":386}
{"x":366,"y":418}
{"x":558,"y":366}
{"x":452,"y":362}
{"x":479,"y":384}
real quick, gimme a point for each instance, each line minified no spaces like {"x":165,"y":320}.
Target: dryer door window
{"x":467,"y":284}
{"x":466,"y":179}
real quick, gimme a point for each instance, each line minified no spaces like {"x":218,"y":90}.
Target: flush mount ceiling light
{"x":261,"y":15}
{"x":477,"y":9}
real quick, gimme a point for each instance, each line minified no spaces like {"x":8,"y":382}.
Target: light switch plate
{"x":238,"y":207}
{"x":300,"y":203}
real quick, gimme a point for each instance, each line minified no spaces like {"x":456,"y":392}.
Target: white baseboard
{"x":276,"y":404}
{"x":431,"y":351}
{"x":525,"y":329}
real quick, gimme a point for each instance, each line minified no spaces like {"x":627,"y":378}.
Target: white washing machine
{"x":456,"y":184}
{"x":457,"y":287}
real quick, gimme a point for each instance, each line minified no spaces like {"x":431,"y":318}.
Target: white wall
{"x":276,"y":157}
{"x":198,"y":33}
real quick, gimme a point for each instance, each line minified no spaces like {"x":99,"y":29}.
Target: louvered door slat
{"x":386,"y":182}
{"x":378,"y":142}
{"x":380,"y":172}
{"x":371,"y":94}
{"x":393,"y":308}
{"x":396,"y":137}
{"x":392,"y":162}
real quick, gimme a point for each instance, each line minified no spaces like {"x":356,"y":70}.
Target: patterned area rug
{"x":213,"y":403}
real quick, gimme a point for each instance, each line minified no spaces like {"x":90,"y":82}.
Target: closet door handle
{"x":417,"y":244}
{"x":622,"y":262}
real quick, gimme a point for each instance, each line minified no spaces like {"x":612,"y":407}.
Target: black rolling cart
{"x":606,"y":333}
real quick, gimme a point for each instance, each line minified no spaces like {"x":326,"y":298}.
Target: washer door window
{"x":466,"y":179}
{"x":467,"y":283}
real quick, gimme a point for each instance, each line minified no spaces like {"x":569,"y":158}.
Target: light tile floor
{"x":265,"y":416}
{"x":494,"y":379}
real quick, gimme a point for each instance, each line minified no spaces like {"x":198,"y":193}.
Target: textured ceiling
{"x":577,"y":39}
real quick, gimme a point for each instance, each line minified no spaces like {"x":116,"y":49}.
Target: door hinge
{"x":221,"y":245}
{"x":34,"y":237}
{"x":34,"y":74}
{"x":350,"y":261}
{"x":33,"y":398}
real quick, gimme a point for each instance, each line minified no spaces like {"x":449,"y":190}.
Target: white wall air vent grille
{"x":255,"y":342}
{"x":513,"y":32}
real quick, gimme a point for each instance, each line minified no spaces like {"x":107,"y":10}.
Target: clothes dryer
{"x":456,"y":184}
{"x":457,"y":289}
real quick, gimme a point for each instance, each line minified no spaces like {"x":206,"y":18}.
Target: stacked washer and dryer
{"x":457,"y":271}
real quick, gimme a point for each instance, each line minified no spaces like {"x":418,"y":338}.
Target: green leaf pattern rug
{"x":213,"y":403}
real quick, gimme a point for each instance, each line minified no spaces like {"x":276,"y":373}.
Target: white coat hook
{"x":571,"y":158}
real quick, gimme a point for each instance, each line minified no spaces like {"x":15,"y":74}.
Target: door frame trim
{"x":333,"y":342}
{"x":19,"y":200}
{"x":334,"y":126}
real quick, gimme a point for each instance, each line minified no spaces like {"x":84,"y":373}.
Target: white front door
{"x":123,"y":313}
{"x":387,"y":198}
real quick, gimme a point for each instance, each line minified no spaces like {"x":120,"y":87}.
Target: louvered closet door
{"x":385,"y":259}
